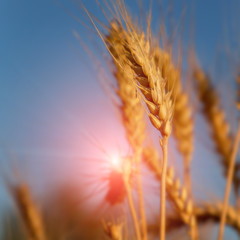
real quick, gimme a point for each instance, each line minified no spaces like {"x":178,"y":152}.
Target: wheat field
{"x":180,"y":127}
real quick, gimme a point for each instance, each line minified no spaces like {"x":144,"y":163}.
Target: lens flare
{"x":115,"y":161}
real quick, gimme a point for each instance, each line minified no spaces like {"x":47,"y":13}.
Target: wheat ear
{"x":131,"y":111}
{"x":29,"y":213}
{"x":177,"y":194}
{"x":183,"y":124}
{"x":215,"y":116}
{"x":204,"y":213}
{"x":214,"y":212}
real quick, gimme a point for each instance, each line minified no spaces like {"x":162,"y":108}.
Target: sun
{"x":116,"y":162}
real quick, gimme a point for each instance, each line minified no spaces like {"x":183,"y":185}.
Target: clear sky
{"x":50,"y":98}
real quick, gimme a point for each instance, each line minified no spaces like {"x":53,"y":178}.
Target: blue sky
{"x":50,"y":98}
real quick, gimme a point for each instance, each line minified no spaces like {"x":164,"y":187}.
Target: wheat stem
{"x":176,"y":193}
{"x":141,"y":202}
{"x":229,"y":181}
{"x":133,"y":212}
{"x":163,"y":188}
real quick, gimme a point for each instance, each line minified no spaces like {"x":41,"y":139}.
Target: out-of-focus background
{"x":56,"y":122}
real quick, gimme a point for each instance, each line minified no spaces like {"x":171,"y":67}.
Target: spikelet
{"x":215,"y":116}
{"x":182,"y":119}
{"x":29,"y":213}
{"x":176,"y":193}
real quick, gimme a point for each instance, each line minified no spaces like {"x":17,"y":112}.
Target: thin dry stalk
{"x":141,"y":202}
{"x":29,"y":213}
{"x":229,"y":182}
{"x":126,"y":176}
{"x":163,"y":188}
{"x":176,"y":193}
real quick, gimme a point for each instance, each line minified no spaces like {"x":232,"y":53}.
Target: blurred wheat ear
{"x":29,"y":212}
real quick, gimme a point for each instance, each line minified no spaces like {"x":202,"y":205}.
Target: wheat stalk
{"x":177,"y":194}
{"x":127,"y":171}
{"x":29,"y":213}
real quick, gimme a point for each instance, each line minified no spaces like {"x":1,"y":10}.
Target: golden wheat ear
{"x":183,"y":124}
{"x":215,"y":116}
{"x":29,"y":212}
{"x":206,"y":213}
